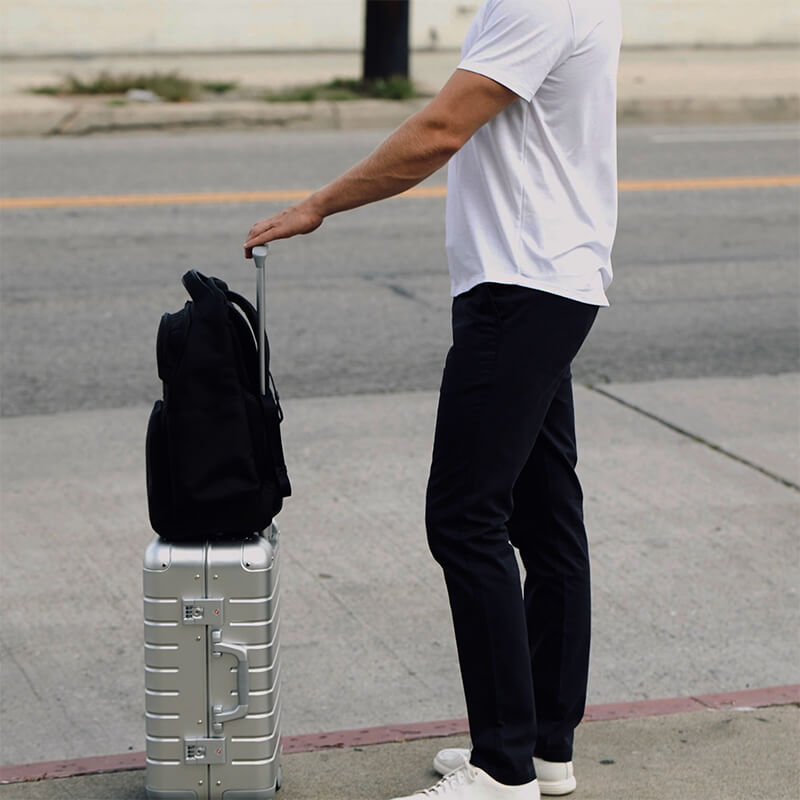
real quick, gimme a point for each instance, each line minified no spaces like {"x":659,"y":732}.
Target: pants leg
{"x":511,"y":352}
{"x":547,"y":528}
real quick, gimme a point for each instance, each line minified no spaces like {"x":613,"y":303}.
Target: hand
{"x":290,"y":222}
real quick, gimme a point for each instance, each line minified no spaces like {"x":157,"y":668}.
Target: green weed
{"x":219,"y":87}
{"x":171,"y":86}
{"x":397,"y":88}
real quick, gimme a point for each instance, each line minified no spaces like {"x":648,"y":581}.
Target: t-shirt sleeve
{"x":519,"y":43}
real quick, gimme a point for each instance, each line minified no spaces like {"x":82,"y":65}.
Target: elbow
{"x":449,"y":141}
{"x":442,"y":137}
{"x":450,"y":144}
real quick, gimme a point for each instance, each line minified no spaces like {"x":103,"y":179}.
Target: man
{"x":529,"y":121}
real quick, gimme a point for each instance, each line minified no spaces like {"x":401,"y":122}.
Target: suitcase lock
{"x":204,"y":751}
{"x":203,"y":611}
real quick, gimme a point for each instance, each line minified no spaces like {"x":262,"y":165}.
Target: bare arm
{"x":420,"y":146}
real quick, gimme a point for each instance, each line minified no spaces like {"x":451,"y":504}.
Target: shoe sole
{"x":550,"y":788}
{"x":557,"y":789}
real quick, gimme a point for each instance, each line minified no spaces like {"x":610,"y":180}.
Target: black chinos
{"x":503,"y":472}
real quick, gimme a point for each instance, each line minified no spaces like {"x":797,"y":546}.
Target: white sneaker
{"x":471,"y":783}
{"x":555,"y":777}
{"x":450,"y":758}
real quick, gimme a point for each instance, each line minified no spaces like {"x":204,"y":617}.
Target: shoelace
{"x":463,"y":776}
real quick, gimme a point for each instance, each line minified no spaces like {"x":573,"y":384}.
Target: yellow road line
{"x":693,"y":184}
{"x":170,"y":199}
{"x":287,"y":196}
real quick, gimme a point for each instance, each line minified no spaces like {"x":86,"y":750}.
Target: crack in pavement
{"x":694,"y":437}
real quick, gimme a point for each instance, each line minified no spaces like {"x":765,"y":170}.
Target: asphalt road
{"x":706,"y":280}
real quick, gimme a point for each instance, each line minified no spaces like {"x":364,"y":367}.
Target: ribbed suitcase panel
{"x":175,"y":674}
{"x":159,"y":655}
{"x":253,"y":762}
{"x":264,"y":655}
{"x":164,"y":633}
{"x":160,"y":724}
{"x":262,"y":679}
{"x":190,"y":592}
{"x":160,"y":609}
{"x":262,"y":715}
{"x":252,"y":614}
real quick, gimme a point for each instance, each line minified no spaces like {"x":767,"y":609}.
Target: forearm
{"x":413,"y":152}
{"x":419,"y":147}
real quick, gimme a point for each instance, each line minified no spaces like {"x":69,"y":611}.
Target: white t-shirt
{"x":532,"y":196}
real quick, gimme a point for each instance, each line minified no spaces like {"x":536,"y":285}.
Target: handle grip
{"x":239,"y":651}
{"x":260,"y":255}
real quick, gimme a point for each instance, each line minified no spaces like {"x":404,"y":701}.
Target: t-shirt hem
{"x":592,"y":297}
{"x":489,"y":71}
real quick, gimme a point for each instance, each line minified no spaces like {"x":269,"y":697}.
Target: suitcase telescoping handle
{"x":260,"y":260}
{"x":239,"y":651}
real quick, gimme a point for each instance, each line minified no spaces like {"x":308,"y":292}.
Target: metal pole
{"x":260,"y":260}
{"x":386,"y":39}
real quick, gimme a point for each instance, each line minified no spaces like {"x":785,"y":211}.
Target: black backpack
{"x":215,"y":466}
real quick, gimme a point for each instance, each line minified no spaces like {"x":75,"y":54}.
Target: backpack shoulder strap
{"x":252,"y":317}
{"x":204,"y":290}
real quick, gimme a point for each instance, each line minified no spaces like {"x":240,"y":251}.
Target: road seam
{"x":693,"y":436}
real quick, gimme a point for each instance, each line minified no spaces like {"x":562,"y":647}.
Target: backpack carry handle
{"x":201,"y":288}
{"x":260,"y":260}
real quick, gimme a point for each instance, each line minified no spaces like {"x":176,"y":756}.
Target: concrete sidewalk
{"x":655,"y":86}
{"x":714,"y":755}
{"x":691,"y":502}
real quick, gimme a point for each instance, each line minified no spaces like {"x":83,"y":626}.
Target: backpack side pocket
{"x":159,"y":485}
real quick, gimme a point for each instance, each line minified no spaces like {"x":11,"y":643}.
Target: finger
{"x":258,"y":228}
{"x":262,"y":238}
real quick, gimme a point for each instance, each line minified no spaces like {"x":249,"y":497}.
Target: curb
{"x":692,"y":110}
{"x":741,"y":700}
{"x":83,"y":118}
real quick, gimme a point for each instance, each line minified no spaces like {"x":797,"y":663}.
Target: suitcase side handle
{"x":239,"y":651}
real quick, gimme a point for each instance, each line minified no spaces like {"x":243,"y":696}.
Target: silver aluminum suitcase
{"x":212,"y":667}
